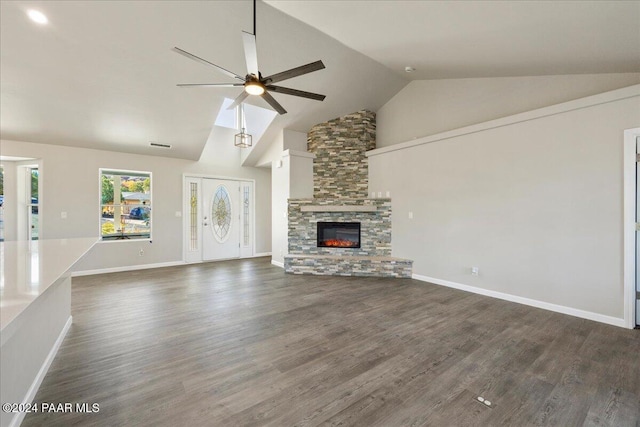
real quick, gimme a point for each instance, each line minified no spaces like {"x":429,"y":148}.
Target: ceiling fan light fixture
{"x":254,"y":88}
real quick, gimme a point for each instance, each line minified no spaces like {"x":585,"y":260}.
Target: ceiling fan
{"x":253,"y":82}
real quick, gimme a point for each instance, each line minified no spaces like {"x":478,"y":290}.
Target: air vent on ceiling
{"x":156,"y":144}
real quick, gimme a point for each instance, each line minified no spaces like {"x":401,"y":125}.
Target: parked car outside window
{"x":140,"y":212}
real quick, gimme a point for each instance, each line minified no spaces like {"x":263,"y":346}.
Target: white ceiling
{"x":462,"y":39}
{"x":101,"y":74}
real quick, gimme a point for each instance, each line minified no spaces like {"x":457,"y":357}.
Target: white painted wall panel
{"x":535,"y":205}
{"x":71,"y":185}
{"x":428,"y":107}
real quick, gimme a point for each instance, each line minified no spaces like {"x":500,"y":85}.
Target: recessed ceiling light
{"x":409,"y":69}
{"x":37,"y":16}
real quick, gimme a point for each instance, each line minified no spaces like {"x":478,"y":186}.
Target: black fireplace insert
{"x":338,"y":234}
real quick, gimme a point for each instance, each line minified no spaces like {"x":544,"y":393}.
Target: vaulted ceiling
{"x":464,"y":39}
{"x":102,"y":74}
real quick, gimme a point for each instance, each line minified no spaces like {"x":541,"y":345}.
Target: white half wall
{"x":292,"y":177}
{"x":428,"y":107}
{"x":71,"y":184}
{"x":534,"y":201}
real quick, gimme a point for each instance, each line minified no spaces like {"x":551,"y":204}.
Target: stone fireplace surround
{"x":373,"y":258}
{"x":340,"y":175}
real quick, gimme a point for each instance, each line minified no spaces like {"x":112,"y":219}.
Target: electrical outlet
{"x":475,"y":271}
{"x":63,"y":215}
{"x":410,"y":215}
{"x":141,"y":252}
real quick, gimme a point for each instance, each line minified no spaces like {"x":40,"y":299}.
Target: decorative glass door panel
{"x":221,"y":221}
{"x":221,"y":213}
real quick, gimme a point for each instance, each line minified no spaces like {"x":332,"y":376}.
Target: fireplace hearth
{"x":338,"y":235}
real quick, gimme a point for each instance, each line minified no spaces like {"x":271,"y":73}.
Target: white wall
{"x":294,"y":140}
{"x":534,"y":201}
{"x":280,"y":182}
{"x":427,"y":107}
{"x":71,"y":184}
{"x":292,"y":178}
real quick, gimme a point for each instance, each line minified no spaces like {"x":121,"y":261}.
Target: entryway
{"x":631,"y":270}
{"x":219,"y":218}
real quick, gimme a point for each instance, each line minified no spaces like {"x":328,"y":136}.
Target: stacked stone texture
{"x":369,"y":267}
{"x":340,"y":167}
{"x":341,"y":177}
{"x":375,"y":227}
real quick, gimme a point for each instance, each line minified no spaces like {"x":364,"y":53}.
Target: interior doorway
{"x":637,"y":257}
{"x":219,"y":219}
{"x":631,"y":226}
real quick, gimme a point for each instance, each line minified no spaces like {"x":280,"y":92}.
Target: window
{"x":125,"y":205}
{"x":33,"y":178}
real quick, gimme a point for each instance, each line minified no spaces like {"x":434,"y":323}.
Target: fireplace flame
{"x":339,"y":243}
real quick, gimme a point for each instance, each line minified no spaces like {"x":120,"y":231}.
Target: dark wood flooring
{"x":240,"y":343}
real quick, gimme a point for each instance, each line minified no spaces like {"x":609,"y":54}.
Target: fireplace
{"x":338,"y":234}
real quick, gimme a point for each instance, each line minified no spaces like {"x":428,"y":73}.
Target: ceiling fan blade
{"x":250,"y":53}
{"x":295,"y":92}
{"x":204,"y":61}
{"x":238,"y":100}
{"x":294,"y":72}
{"x":276,"y":106}
{"x":210,"y":84}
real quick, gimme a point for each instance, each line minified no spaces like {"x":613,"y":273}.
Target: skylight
{"x":258,"y":119}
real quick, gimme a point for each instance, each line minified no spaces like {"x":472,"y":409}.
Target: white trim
{"x":615,"y":321}
{"x":228,"y":178}
{"x":204,"y":176}
{"x":297,"y":153}
{"x":629,"y":225}
{"x":150,"y":266}
{"x":101,"y":171}
{"x":277,"y":263}
{"x":589,"y":101}
{"x":126,"y":268}
{"x":35,"y":385}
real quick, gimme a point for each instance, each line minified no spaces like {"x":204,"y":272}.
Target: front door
{"x":220,"y":219}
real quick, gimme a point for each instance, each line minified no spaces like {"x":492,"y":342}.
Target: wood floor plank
{"x":239,"y":343}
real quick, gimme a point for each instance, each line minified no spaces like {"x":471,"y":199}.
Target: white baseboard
{"x":589,"y":315}
{"x":148,"y":266}
{"x":31,"y":393}
{"x":126,"y":268}
{"x":277,"y":263}
{"x":261,"y":254}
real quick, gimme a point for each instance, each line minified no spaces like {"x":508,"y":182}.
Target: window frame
{"x":124,"y":237}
